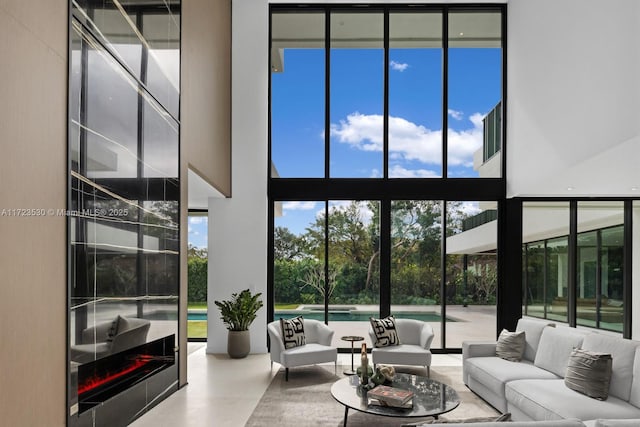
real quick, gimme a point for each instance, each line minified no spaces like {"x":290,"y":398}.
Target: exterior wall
{"x":33,"y":174}
{"x":238,"y":226}
{"x":573,"y":98}
{"x":205,"y":110}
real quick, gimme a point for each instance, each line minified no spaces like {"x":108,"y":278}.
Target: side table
{"x":352,"y":339}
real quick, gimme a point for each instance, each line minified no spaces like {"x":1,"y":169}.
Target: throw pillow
{"x":115,"y":326}
{"x":385,"y":331}
{"x":293,"y":332}
{"x":589,"y":373}
{"x":511,"y":345}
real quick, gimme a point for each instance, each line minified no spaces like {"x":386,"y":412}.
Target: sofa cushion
{"x":634,"y":397}
{"x":510,"y":345}
{"x":556,"y":344}
{"x":617,"y":423}
{"x":533,"y":329}
{"x":589,"y":373}
{"x":402,"y":354}
{"x":623,"y":352}
{"x":551,"y":400}
{"x":293,"y":332}
{"x":494,"y":372}
{"x":563,"y":423}
{"x":385,"y":331}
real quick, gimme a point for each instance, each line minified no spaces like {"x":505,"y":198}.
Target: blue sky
{"x":356,"y":115}
{"x":198,"y":229}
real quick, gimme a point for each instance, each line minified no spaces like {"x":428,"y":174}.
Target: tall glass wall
{"x":598,"y":281}
{"x":124,"y":197}
{"x":358,"y":118}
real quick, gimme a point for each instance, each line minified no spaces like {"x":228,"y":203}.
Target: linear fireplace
{"x":104,"y":378}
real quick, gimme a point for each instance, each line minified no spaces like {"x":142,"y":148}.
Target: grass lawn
{"x":197,"y":329}
{"x":286,"y":306}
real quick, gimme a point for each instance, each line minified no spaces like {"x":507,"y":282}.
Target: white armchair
{"x":316,"y":350}
{"x":414,"y":349}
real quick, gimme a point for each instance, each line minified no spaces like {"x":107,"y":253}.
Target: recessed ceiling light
{"x":634,"y":188}
{"x":570,"y":188}
{"x":462,"y":34}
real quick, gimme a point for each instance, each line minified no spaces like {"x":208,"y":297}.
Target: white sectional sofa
{"x":534,"y":390}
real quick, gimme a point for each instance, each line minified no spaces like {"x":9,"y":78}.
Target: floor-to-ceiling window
{"x":197,"y":266}
{"x":379,"y":137}
{"x":574,"y":262}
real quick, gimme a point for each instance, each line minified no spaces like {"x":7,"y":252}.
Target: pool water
{"x":342,"y":316}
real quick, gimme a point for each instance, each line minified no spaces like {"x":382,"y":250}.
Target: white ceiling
{"x":200,"y":191}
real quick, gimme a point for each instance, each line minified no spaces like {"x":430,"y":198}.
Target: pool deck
{"x":474,"y":322}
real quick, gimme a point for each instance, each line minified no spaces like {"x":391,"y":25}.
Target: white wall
{"x":238,"y":225}
{"x":573,"y":98}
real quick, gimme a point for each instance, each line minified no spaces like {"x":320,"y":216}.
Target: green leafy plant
{"x":240,"y":311}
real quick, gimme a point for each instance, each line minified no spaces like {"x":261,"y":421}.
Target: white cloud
{"x":470,"y":208}
{"x":198,"y":220}
{"x":398,"y":66}
{"x":458,"y":115}
{"x":298,"y":206}
{"x":364,"y":212}
{"x":190,"y":230}
{"x":410,"y":141}
{"x":397,"y":171}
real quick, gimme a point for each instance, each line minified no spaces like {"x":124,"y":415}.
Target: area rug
{"x":305,"y":400}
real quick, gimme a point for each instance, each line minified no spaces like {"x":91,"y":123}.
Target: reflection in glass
{"x":545,"y":228}
{"x":124,"y":195}
{"x":298,"y":94}
{"x":161,"y":35}
{"x":474,"y":95}
{"x":557,"y":277}
{"x":415,"y":95}
{"x":146,"y":40}
{"x":600,"y":267}
{"x":357,"y":104}
{"x":471,"y":272}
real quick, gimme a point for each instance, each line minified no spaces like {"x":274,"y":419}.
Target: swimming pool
{"x":341,"y":316}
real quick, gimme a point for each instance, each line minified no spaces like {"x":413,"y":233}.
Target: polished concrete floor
{"x":224,"y":391}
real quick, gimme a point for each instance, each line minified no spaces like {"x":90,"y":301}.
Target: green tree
{"x":287,"y":245}
{"x":197,"y":275}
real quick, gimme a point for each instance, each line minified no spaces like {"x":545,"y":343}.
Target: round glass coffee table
{"x":431,"y":398}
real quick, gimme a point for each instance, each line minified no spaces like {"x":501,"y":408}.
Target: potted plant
{"x":237,"y":314}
